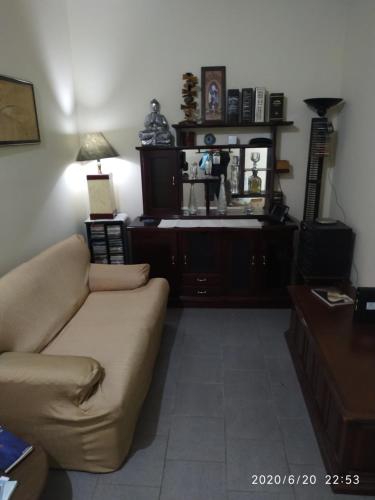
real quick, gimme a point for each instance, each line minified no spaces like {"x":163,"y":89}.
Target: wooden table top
{"x":347,"y":349}
{"x":31,"y":474}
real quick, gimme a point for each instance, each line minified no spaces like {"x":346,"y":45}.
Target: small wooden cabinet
{"x":218,"y":266}
{"x":161,"y":183}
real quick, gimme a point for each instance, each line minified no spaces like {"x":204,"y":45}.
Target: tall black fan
{"x":320,"y":129}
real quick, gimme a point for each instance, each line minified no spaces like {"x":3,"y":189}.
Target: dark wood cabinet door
{"x":240,"y":262}
{"x":161,"y":182}
{"x":200,"y":252}
{"x":159,"y":249}
{"x":275,"y":254}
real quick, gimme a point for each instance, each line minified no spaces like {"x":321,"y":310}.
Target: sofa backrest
{"x":40,"y":296}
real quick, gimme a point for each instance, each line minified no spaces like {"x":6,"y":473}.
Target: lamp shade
{"x":95,"y":147}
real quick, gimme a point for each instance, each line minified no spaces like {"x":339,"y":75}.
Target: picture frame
{"x":18,"y":115}
{"x":213,"y":84}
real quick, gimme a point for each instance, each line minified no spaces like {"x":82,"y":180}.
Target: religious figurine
{"x":156,"y":132}
{"x":189,"y":93}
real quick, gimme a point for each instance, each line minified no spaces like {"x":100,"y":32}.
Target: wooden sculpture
{"x":189,"y":93}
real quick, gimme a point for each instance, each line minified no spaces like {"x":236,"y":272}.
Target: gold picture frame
{"x":18,"y":116}
{"x":213,"y":95}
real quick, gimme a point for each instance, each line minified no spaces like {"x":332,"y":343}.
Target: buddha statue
{"x":156,"y":130}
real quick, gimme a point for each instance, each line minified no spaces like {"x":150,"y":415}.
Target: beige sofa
{"x":78,"y":342}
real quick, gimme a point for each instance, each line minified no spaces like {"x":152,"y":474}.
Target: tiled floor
{"x":224,"y":405}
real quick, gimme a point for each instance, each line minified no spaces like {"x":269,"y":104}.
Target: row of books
{"x":254,"y":105}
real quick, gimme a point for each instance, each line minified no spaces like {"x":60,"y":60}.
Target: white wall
{"x":354,"y":174}
{"x":126,"y":52}
{"x":38,"y":204}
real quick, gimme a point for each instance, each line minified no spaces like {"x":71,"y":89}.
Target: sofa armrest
{"x":47,"y":379}
{"x":104,"y":277}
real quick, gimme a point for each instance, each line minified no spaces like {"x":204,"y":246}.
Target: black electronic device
{"x":260,"y":142}
{"x":279,"y":213}
{"x":325,"y":252}
{"x":364,"y":305}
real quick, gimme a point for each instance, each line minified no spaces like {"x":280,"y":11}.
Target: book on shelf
{"x":12,"y":450}
{"x":247,"y":107}
{"x":332,"y":296}
{"x":233,"y":106}
{"x":260,"y":104}
{"x":7,"y":487}
{"x":276,"y":106}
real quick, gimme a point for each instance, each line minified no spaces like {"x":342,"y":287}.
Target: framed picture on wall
{"x":18,"y":118}
{"x":213,"y":94}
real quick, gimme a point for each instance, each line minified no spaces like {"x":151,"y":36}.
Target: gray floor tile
{"x":243,"y":357}
{"x":157,"y":404}
{"x":144,"y":466}
{"x":240,"y":333}
{"x":250,"y":385}
{"x":197,"y":438}
{"x":246,"y":458}
{"x":69,"y":485}
{"x":300,"y":442}
{"x":193,"y":481}
{"x":122,"y":492}
{"x":201,"y":369}
{"x":148,"y":426}
{"x":274,"y":347}
{"x":202,"y":345}
{"x":235,"y":495}
{"x":272,"y":322}
{"x":249,"y":420}
{"x":289,"y":403}
{"x":281,"y":372}
{"x":199,"y":400}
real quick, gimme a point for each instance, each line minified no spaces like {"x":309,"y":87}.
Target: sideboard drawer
{"x":201,"y":291}
{"x":200,"y":279}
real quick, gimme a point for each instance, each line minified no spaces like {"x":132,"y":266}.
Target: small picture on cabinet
{"x":213,"y":94}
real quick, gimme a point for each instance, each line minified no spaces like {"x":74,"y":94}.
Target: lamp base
{"x":101,"y":197}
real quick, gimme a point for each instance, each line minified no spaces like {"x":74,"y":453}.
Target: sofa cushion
{"x":121,"y":331}
{"x":103,"y":277}
{"x":40,"y":296}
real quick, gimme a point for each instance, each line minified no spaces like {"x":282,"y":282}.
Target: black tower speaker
{"x":325,"y":251}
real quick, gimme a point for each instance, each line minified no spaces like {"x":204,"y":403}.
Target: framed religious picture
{"x":18,"y":118}
{"x":213,"y":95}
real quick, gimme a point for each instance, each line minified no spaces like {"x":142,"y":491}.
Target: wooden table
{"x":335,"y":362}
{"x":31,"y":474}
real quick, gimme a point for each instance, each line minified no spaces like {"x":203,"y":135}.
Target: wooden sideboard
{"x":335,"y":362}
{"x":218,"y":266}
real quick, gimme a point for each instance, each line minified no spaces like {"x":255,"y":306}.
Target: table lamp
{"x":100,"y":186}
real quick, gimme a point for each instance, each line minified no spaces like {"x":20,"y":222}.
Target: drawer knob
{"x":202,"y":280}
{"x":202,"y":292}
